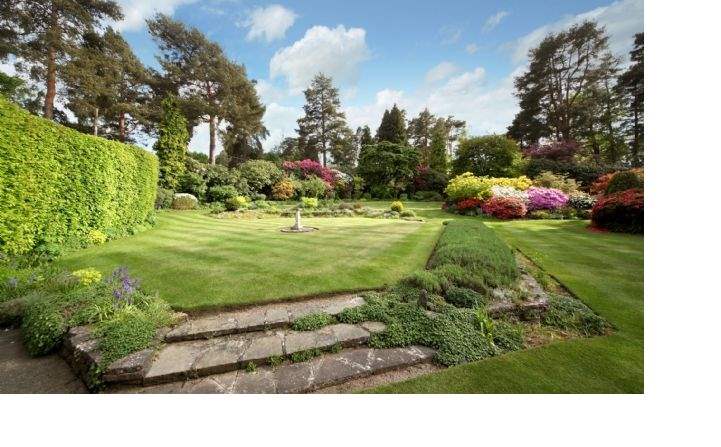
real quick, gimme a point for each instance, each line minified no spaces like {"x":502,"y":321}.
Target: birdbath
{"x":298,"y":226}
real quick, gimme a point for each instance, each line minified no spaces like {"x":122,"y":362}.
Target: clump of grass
{"x":276,"y":360}
{"x":313,"y":322}
{"x":568,"y":313}
{"x":463,"y":297}
{"x":251,"y":367}
{"x":304,"y":356}
{"x":129,"y":330}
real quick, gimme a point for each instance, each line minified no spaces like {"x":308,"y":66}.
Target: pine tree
{"x":420,"y":134}
{"x":104,"y":79}
{"x":42,"y":33}
{"x":393,"y":127}
{"x":437,"y":156}
{"x":172,"y":144}
{"x":324,"y":123}
{"x":212,"y":86}
{"x":630,"y":86}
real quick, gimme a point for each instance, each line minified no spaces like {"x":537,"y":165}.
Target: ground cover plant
{"x":604,"y":271}
{"x":196,"y":261}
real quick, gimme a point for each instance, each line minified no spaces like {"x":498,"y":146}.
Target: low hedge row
{"x":58,"y":185}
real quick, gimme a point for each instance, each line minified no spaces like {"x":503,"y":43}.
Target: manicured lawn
{"x":196,"y":261}
{"x":603,"y":270}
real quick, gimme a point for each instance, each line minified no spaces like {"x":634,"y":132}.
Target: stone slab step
{"x":259,"y":318}
{"x":197,"y":358}
{"x":321,"y":372}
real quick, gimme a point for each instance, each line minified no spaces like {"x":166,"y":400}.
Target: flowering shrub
{"x":600,"y":186}
{"x":87,"y":276}
{"x":467,"y":186}
{"x":468,"y":204}
{"x":284,"y":189}
{"x":124,"y":286}
{"x":96,"y":237}
{"x":555,"y":150}
{"x":504,"y":207}
{"x":509,"y":191}
{"x":184,"y":201}
{"x":620,"y":212}
{"x":521,"y":183}
{"x":548,"y":179}
{"x":305,"y":169}
{"x":581,"y":201}
{"x":397,"y":206}
{"x":546,"y":199}
{"x":313,"y":187}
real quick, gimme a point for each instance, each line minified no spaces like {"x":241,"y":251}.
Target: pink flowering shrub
{"x":546,"y":199}
{"x":305,"y":169}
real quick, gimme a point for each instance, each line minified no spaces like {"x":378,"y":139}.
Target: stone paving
{"x":321,"y":372}
{"x":259,"y":318}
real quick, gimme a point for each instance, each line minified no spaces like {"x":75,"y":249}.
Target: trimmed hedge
{"x":57,"y":184}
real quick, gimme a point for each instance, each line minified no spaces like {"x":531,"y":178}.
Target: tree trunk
{"x":95,"y":123}
{"x":50,"y":87}
{"x":636,"y":162}
{"x":121,"y":127}
{"x":211,"y":150}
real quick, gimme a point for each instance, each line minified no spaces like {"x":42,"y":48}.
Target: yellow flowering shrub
{"x":87,"y":276}
{"x":97,"y":237}
{"x":467,"y":186}
{"x":521,"y":183}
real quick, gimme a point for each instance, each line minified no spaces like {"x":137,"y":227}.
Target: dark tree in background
{"x":387,"y":167}
{"x":420,"y":131}
{"x":42,"y":33}
{"x":172,"y":144}
{"x":630,"y":87}
{"x":323,"y":124}
{"x":104,"y":79}
{"x":393,"y":127}
{"x":491,"y":155}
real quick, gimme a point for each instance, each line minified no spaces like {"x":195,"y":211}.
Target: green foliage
{"x":312,"y":322}
{"x":490,"y":155}
{"x":567,"y":313}
{"x":304,"y":356}
{"x":221,"y":193}
{"x":397,"y":206}
{"x":408,"y":213}
{"x":127,"y":331}
{"x":387,"y":165}
{"x":164,"y":198}
{"x":172,"y":144}
{"x":58,"y":184}
{"x":393,"y":127}
{"x":183,"y":201}
{"x":463,"y":297}
{"x":250,"y":367}
{"x":87,"y":276}
{"x":424,"y":280}
{"x":236,"y":203}
{"x":585,"y":173}
{"x":309,"y":202}
{"x":312,"y":187}
{"x":193,"y":183}
{"x":508,"y":336}
{"x":548,"y":179}
{"x":261,"y":175}
{"x":623,"y":181}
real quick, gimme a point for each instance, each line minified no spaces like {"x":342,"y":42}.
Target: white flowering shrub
{"x":509,"y":191}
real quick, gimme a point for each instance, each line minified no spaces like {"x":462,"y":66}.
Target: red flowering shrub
{"x":305,"y":169}
{"x":620,"y":212}
{"x":467,"y":204}
{"x":601,"y":183}
{"x":504,"y":207}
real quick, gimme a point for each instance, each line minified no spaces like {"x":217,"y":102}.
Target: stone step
{"x":197,"y":358}
{"x":258,"y":318}
{"x":318,"y":373}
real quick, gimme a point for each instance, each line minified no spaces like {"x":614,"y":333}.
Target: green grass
{"x":606,"y":272}
{"x":196,"y":261}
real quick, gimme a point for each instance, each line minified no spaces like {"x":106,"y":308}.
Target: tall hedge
{"x":57,"y":184}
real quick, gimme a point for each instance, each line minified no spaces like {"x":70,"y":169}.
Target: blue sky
{"x":455,"y":57}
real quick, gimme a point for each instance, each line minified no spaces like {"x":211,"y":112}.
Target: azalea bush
{"x":509,"y":191}
{"x":546,"y":199}
{"x":468,"y":204}
{"x":305,"y":169}
{"x":581,"y":201}
{"x":620,"y":212}
{"x":284,"y":189}
{"x":467,"y":186}
{"x":504,"y":207}
{"x":521,"y":183}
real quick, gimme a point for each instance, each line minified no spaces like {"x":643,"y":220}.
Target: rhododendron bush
{"x":467,"y":186}
{"x":468,"y":204}
{"x":620,"y":212}
{"x":509,"y":191}
{"x":504,"y":207}
{"x":546,"y":199}
{"x":305,"y":169}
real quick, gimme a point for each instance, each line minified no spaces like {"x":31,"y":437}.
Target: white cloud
{"x":280,"y":122}
{"x":269,"y":23}
{"x":622,"y":20}
{"x":472,"y":48}
{"x":335,"y":52}
{"x":441,"y":71}
{"x":136,"y":11}
{"x":269,"y":92}
{"x":450,"y":34}
{"x":494,"y":20}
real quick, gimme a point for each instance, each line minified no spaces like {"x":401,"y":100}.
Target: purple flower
{"x":546,"y":199}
